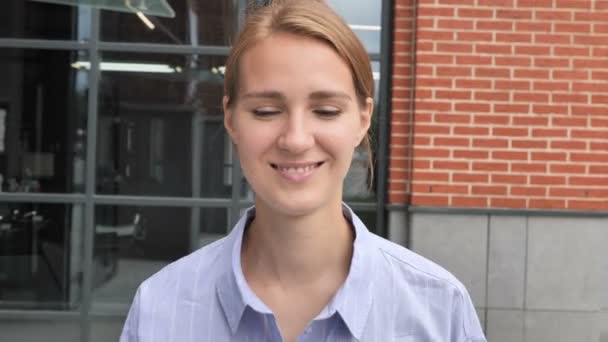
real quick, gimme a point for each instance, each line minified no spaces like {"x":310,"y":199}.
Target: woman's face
{"x":296,"y":122}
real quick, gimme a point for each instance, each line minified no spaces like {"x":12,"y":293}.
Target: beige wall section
{"x":532,"y":278}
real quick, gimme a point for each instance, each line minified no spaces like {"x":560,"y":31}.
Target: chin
{"x":302,"y":206}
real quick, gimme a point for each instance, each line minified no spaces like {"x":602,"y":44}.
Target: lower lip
{"x":298,"y":177}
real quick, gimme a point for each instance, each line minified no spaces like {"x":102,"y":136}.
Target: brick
{"x":433,"y":106}
{"x":491,"y":96}
{"x":496,"y":3}
{"x":573,"y":4}
{"x":513,"y":37}
{"x":427,"y":11}
{"x":547,"y":204}
{"x":569,"y":98}
{"x":564,"y":39}
{"x":511,"y":108}
{"x":494,"y":49}
{"x":547,"y":180}
{"x":450,"y":189}
{"x":548,"y":156}
{"x":470,"y":177}
{"x":494,"y":25}
{"x":425,"y":58}
{"x":550,"y":86}
{"x":398,"y":198}
{"x":430,"y":153}
{"x":472,"y":107}
{"x":589,"y":40}
{"x":571,"y":74}
{"x":600,"y":87}
{"x":459,"y":142}
{"x":491,"y":119}
{"x":512,"y":85}
{"x":434,"y":82}
{"x":493,"y":72}
{"x":568,"y":145}
{"x":532,"y":50}
{"x":491,"y":143}
{"x":572,"y":28}
{"x":569,"y":121}
{"x":488,"y":190}
{"x":599,"y":123}
{"x":431,"y":129}
{"x":513,"y":61}
{"x":474,"y":36}
{"x":531,"y":73}
{"x":553,"y":15}
{"x":531,"y":97}
{"x":489,"y":166}
{"x":528,"y":191}
{"x":598,"y":169}
{"x":587,"y":205}
{"x":473,"y":60}
{"x":421,"y":164}
{"x":566,"y":168}
{"x":535,"y":3}
{"x":473,"y":84}
{"x":472,"y":202}
{"x":435,"y":35}
{"x":592,"y":63}
{"x":530,"y":121}
{"x":527,"y":143}
{"x":452,"y":118}
{"x":529,"y":167}
{"x":593,"y":181}
{"x":547,"y":62}
{"x":527,"y":26}
{"x":470,"y":154}
{"x":549,"y":133}
{"x":510,"y":132}
{"x":509,"y":179}
{"x":453,"y":94}
{"x":471,"y":131}
{"x":549,"y":109}
{"x":568,"y":192}
{"x":596,"y":145}
{"x":509,"y":155}
{"x":507,"y":203}
{"x":454,"y":47}
{"x":450,"y":165}
{"x":475,"y":13}
{"x":430,"y":176}
{"x":593,"y":134}
{"x":595,"y":157}
{"x":455,"y":24}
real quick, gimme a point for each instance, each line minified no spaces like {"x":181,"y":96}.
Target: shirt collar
{"x":352,"y":302}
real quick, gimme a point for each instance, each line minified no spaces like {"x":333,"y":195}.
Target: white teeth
{"x":296,"y":169}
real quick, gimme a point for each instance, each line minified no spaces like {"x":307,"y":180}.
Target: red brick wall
{"x":511,"y":105}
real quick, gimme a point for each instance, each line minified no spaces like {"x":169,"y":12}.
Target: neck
{"x":295,"y":251}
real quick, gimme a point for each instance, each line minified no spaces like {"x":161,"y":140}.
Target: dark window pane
{"x":40,"y":255}
{"x":32,"y":19}
{"x":43,"y":102}
{"x":39,"y":330}
{"x":132,"y":243}
{"x":160,"y":129}
{"x":196,"y":22}
{"x":369,"y":218}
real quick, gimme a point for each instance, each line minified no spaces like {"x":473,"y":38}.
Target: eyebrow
{"x":317,"y":95}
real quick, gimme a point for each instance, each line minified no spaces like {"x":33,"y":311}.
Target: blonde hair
{"x":308,"y":18}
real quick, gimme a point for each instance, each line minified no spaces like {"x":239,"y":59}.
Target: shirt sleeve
{"x":466,"y":327}
{"x":131,"y":326}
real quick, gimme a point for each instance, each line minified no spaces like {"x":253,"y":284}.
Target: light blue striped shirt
{"x":390,"y":294}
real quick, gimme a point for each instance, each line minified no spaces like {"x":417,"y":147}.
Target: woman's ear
{"x":229,"y":120}
{"x":365,"y":117}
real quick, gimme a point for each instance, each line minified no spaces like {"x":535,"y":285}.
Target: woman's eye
{"x":327,"y":112}
{"x":265,"y":112}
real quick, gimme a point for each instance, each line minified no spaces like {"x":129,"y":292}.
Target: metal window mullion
{"x":25,"y":43}
{"x":24,"y":197}
{"x":89,"y":216}
{"x":384,"y":116}
{"x":208,"y":50}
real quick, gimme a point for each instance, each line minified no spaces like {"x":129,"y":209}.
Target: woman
{"x":300,"y":266}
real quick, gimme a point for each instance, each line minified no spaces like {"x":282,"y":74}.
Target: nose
{"x":296,"y":134}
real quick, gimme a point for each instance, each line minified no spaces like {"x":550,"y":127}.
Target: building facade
{"x":490,"y":138}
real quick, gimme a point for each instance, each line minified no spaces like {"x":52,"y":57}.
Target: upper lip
{"x":296,"y":165}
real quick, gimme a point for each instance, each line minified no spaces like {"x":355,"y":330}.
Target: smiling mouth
{"x":295,"y":169}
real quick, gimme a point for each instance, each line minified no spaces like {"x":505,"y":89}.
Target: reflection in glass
{"x":364,"y":17}
{"x":43,"y":105}
{"x":161,"y":133}
{"x":31,"y":330}
{"x":39,"y":247}
{"x":132,"y":243}
{"x":29,"y":19}
{"x":196,"y":22}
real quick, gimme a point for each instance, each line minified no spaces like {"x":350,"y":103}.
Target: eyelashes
{"x":322,"y":112}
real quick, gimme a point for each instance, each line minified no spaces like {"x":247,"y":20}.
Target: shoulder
{"x":413,"y":284}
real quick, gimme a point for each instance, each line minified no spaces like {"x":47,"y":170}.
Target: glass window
{"x":364,"y":17}
{"x":160,"y":129}
{"x":40,"y":253}
{"x":33,"y":19}
{"x":196,"y":22}
{"x":132,"y":243}
{"x":43,"y":103}
{"x":35,"y":330}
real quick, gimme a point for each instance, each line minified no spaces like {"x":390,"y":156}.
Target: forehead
{"x":291,"y":63}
